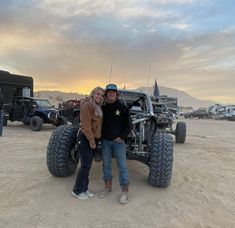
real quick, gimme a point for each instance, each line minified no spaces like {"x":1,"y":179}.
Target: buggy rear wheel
{"x":180,"y":132}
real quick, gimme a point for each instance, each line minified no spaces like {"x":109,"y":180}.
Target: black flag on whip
{"x":156,"y":92}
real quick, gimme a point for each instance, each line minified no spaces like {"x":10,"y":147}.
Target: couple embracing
{"x":103,"y":116}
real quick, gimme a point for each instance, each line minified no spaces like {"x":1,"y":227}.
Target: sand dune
{"x":201,"y":193}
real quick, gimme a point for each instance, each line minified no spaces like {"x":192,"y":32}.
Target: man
{"x":1,"y":111}
{"x":116,"y":126}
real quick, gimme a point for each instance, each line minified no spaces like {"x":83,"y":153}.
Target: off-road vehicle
{"x":144,"y":143}
{"x":200,"y":114}
{"x":71,"y":110}
{"x":165,"y":120}
{"x":32,"y":111}
{"x":231,"y":114}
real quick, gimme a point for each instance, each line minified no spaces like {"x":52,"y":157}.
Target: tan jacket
{"x":90,"y":123}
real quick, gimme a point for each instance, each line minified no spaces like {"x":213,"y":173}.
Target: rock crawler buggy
{"x":165,"y":120}
{"x":144,"y":143}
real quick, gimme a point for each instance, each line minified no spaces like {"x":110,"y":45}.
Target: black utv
{"x":32,"y":111}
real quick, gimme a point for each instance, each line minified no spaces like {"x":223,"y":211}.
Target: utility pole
{"x":111,"y":70}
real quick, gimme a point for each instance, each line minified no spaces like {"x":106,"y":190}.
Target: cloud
{"x":178,"y":26}
{"x":71,"y":44}
{"x":174,"y":1}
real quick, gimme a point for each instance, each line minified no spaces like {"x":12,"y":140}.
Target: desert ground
{"x":201,"y":193}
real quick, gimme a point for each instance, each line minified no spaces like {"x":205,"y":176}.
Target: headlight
{"x":53,"y":115}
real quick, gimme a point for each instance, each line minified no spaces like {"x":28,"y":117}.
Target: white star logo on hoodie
{"x":118,"y":113}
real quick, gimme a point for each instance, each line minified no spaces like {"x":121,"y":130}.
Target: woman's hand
{"x":93,"y":146}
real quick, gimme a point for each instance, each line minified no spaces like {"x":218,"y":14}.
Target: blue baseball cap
{"x":111,"y":87}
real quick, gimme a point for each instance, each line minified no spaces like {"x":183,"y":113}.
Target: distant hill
{"x":184,"y":99}
{"x":56,"y":97}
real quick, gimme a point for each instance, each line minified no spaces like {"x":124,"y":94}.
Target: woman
{"x":91,"y":121}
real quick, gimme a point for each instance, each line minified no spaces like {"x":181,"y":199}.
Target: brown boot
{"x":124,"y":195}
{"x":107,"y":189}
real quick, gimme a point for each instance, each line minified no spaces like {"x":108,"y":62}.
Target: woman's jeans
{"x":119,"y":149}
{"x":86,"y":158}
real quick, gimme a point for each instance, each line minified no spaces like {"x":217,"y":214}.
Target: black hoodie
{"x":116,"y":120}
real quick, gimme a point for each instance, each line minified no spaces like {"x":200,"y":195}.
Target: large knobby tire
{"x":59,"y":160}
{"x":161,"y":160}
{"x":180,"y":132}
{"x":36,"y":123}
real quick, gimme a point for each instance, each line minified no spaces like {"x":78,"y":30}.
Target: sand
{"x":201,"y":193}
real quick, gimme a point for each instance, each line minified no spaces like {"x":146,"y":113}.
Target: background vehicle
{"x":200,"y":114}
{"x":71,"y":110}
{"x":144,"y":143}
{"x":231,"y":114}
{"x":165,"y":120}
{"x":32,"y":111}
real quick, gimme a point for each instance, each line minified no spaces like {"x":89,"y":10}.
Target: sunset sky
{"x":70,"y":45}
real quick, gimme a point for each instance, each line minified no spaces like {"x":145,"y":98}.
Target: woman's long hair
{"x":94,"y":91}
{"x":91,"y":99}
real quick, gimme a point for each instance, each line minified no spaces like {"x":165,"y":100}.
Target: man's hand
{"x":118,"y":139}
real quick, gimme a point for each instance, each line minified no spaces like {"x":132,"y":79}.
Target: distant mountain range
{"x":184,"y":99}
{"x":56,"y":97}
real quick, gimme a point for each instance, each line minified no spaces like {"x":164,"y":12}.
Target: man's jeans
{"x":119,"y":149}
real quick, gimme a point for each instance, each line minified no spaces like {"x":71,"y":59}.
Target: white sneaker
{"x":90,"y":194}
{"x":123,"y":198}
{"x":82,"y":196}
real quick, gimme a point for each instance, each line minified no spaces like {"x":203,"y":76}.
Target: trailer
{"x":13,"y":85}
